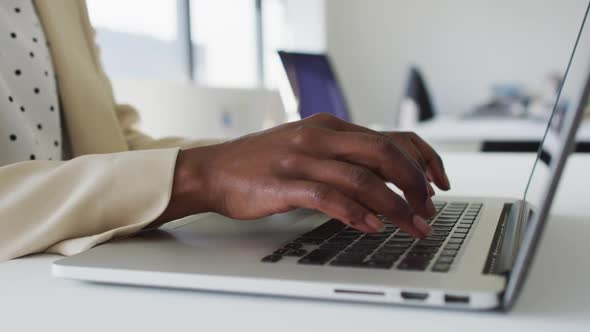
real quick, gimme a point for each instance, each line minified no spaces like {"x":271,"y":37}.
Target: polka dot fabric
{"x":30,"y":126}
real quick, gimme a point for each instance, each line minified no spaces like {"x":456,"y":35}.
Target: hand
{"x":320,"y":163}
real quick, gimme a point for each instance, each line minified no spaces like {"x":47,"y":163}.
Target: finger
{"x":376,"y":152}
{"x":324,"y":198}
{"x":361,"y":185}
{"x":411,"y":149}
{"x":435,"y":168}
{"x":421,"y":151}
{"x":334,"y":123}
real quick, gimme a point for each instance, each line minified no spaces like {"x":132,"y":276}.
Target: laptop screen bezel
{"x":536,"y":224}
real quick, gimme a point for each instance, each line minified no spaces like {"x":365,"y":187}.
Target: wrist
{"x":188,"y":187}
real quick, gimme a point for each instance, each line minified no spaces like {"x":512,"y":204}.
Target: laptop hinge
{"x":507,"y":239}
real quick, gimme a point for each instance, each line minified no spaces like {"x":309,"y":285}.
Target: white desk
{"x":459,"y":134}
{"x":556,"y":296}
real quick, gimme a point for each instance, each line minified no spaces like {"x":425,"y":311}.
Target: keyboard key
{"x":440,"y":233}
{"x":426,"y":243}
{"x":325,"y":230}
{"x":318,"y":257}
{"x":379,"y":264}
{"x":445,"y":259}
{"x":337,"y":247}
{"x":394,"y":239}
{"x":435,"y":238}
{"x":424,"y":250}
{"x":461,"y":230}
{"x":459,"y":236}
{"x":402,"y":245}
{"x":390,"y":251}
{"x":447,"y":252}
{"x":446,"y":220}
{"x":280,"y":252}
{"x":420,"y":255}
{"x":441,"y":228}
{"x":296,"y":253}
{"x":293,"y":245}
{"x":310,"y":241}
{"x":441,"y":267}
{"x":349,"y":260}
{"x":272,"y":258}
{"x":452,"y":246}
{"x":414,"y":263}
{"x":454,"y":240}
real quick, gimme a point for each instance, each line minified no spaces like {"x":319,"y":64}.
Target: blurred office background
{"x":208,"y":68}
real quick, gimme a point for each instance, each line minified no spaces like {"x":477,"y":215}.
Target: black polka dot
{"x":13,"y":137}
{"x":34,"y":40}
{"x":31,"y":54}
{"x":22,"y":109}
{"x":36,"y":90}
{"x":50,"y":158}
{"x":17,"y":72}
{"x":51,"y":108}
{"x":40,"y":126}
{"x":13,"y":35}
{"x":32,"y":157}
{"x":46,"y":73}
{"x":56,"y":143}
{"x":17,"y":10}
{"x":10,"y":99}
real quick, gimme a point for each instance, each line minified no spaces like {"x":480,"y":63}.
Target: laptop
{"x":314,"y":84}
{"x":476,"y":259}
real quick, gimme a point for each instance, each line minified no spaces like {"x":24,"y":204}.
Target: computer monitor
{"x":314,"y":84}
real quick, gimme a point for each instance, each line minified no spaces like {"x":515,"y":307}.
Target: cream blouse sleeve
{"x":70,"y":206}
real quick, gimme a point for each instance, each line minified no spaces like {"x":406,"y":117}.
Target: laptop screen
{"x":561,"y":122}
{"x":570,"y":104}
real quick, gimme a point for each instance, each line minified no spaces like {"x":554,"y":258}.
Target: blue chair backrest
{"x":314,"y":83}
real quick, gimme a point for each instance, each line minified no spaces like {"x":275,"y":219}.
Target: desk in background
{"x":488,"y":134}
{"x":555,"y":297}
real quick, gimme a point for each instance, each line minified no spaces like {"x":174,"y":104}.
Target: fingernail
{"x":446,"y":178}
{"x":373,"y":222}
{"x":421,"y":225}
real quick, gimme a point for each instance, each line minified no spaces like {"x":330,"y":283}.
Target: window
{"x":224,"y":39}
{"x":139,"y":39}
{"x":229,"y":43}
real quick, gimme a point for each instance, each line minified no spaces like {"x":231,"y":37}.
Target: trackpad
{"x":219,"y":231}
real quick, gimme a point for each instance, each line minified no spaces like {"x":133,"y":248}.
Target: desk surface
{"x":467,"y":135}
{"x":556,"y":295}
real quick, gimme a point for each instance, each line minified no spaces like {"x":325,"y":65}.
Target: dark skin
{"x":320,"y":163}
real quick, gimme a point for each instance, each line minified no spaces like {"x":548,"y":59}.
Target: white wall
{"x":462,"y":46}
{"x":306,"y":20}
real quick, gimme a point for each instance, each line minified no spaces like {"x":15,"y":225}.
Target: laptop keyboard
{"x":335,"y":244}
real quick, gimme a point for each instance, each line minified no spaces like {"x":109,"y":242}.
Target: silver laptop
{"x":477,"y":257}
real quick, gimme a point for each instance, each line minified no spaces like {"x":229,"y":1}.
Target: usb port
{"x":414,"y":296}
{"x":456,"y":299}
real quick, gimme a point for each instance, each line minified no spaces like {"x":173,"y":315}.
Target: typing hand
{"x":320,"y":163}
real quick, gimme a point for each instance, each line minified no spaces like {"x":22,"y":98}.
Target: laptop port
{"x":456,"y":299}
{"x":358,"y":292}
{"x":414,"y":296}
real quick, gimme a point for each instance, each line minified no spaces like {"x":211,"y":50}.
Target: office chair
{"x":314,"y":84}
{"x":417,"y":92}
